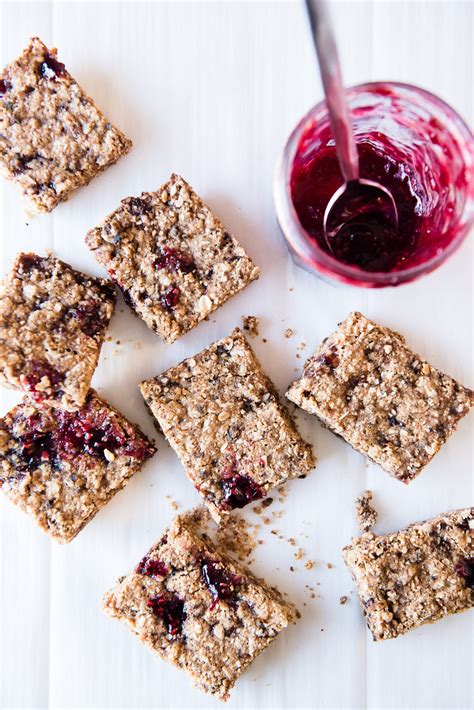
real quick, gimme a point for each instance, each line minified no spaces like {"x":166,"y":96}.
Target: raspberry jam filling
{"x":42,"y":380}
{"x":175,"y":260}
{"x":170,"y":298}
{"x":222,"y":585}
{"x":5,"y":86}
{"x":51,"y":68}
{"x":171,"y":610}
{"x":28,"y":262}
{"x":404,"y":145}
{"x":151,"y":567}
{"x":88,"y":431}
{"x":465,"y":570}
{"x":89,"y":318}
{"x":239,"y":490}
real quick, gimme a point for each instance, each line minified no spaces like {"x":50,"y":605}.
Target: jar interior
{"x":409,"y":144}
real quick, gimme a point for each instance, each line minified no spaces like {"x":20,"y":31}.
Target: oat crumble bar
{"x":53,"y":321}
{"x":415,"y":576}
{"x":171,"y":257}
{"x":53,"y":139}
{"x":365,"y":512}
{"x":223,"y":417}
{"x":62,"y":467}
{"x":387,"y":402}
{"x":199,"y":609}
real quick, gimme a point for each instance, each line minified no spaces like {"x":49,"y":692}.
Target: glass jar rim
{"x":328,"y":265}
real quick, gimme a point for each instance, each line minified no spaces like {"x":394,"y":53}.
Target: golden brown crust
{"x":171,"y":257}
{"x":213,"y":641}
{"x":53,"y":321}
{"x":53,"y":139}
{"x":414,"y":576}
{"x":223,"y":417}
{"x":382,"y":398}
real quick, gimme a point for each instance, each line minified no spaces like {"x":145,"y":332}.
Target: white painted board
{"x":211,"y":90}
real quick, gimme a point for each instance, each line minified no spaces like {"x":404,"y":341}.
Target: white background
{"x":211,"y":90}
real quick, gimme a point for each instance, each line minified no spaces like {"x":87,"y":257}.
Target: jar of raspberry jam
{"x":411,"y":142}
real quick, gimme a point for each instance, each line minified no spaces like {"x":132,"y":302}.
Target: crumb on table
{"x":251,"y":324}
{"x":365,"y":512}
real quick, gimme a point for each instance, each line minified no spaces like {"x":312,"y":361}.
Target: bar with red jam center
{"x":198,"y":609}
{"x":173,"y":260}
{"x":53,"y":139}
{"x":223,"y":417}
{"x":62,"y":467}
{"x":415,"y":576}
{"x":365,"y":385}
{"x":53,"y":321}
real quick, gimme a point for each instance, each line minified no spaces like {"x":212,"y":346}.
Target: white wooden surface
{"x":211,"y":90}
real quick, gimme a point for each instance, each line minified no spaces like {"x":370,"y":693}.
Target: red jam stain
{"x":51,"y":68}
{"x":89,"y":318}
{"x":88,"y":431}
{"x":171,"y":610}
{"x":239,"y":490}
{"x":93,"y":432}
{"x":175,"y":260}
{"x":151,"y":567}
{"x":38,"y":371}
{"x":5,"y":86}
{"x":28,"y":262}
{"x":405,"y":149}
{"x":170,"y":298}
{"x":465,"y":569}
{"x":222,"y":585}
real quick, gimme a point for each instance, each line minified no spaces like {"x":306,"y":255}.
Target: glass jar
{"x":424,"y":143}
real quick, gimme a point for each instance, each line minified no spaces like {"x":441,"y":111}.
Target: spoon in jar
{"x":360,"y":208}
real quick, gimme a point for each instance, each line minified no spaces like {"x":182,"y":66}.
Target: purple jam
{"x":89,"y":318}
{"x":28,"y":262}
{"x":222,"y":585}
{"x":93,"y":432}
{"x":5,"y":86}
{"x":409,"y":142}
{"x":171,"y":610}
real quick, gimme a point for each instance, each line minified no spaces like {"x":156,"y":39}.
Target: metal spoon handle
{"x":326,"y":50}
